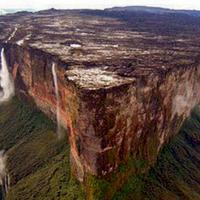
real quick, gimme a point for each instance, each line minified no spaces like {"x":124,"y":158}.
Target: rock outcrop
{"x":123,"y":92}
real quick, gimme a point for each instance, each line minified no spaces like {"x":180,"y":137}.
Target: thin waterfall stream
{"x":55,"y":80}
{"x":4,"y":176}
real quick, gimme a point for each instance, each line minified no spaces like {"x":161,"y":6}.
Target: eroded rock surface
{"x":126,"y":81}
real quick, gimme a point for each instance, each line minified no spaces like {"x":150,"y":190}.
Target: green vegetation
{"x":176,"y":175}
{"x":38,"y":162}
{"x":96,"y":188}
{"x":131,"y":189}
{"x":99,"y":189}
{"x":19,"y":121}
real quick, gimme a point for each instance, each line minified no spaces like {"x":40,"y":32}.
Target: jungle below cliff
{"x":39,"y":167}
{"x":37,"y":162}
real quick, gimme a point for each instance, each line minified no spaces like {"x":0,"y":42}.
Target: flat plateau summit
{"x":120,"y":45}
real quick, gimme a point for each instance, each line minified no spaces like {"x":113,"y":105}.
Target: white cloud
{"x":38,"y":4}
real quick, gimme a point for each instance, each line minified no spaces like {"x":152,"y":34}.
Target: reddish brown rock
{"x":122,"y":95}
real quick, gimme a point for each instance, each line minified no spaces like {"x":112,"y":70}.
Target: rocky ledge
{"x":126,"y":80}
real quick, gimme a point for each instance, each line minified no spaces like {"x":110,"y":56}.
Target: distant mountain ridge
{"x":156,"y":10}
{"x":2,"y":12}
{"x":147,"y":9}
{"x":6,"y":11}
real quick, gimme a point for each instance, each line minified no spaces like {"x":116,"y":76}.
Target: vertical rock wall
{"x":107,"y":126}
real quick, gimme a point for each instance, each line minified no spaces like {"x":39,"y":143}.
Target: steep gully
{"x":106,"y":126}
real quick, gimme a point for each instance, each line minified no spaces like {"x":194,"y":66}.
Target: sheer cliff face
{"x":107,"y":125}
{"x":135,"y":120}
{"x":116,"y":101}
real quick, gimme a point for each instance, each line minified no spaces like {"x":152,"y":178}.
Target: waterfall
{"x":55,"y":80}
{"x":7,"y":89}
{"x":6,"y":82}
{"x":4,"y":177}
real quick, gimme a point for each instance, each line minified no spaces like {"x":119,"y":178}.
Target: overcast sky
{"x":100,"y":4}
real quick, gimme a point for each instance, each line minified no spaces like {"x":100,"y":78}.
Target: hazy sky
{"x":100,"y":4}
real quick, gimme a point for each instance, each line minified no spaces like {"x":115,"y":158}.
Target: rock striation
{"x":124,"y":88}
